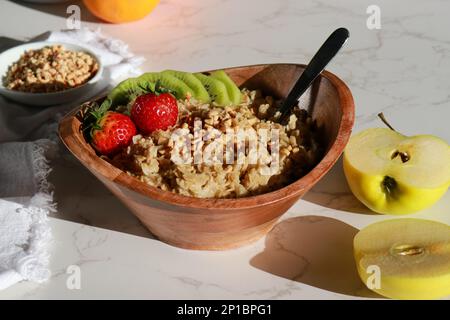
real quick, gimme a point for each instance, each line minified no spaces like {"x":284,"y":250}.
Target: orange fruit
{"x":119,"y":11}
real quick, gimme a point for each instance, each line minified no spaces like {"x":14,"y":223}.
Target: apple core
{"x":404,"y":156}
{"x":407,"y":250}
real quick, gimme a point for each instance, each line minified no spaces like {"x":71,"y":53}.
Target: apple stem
{"x":403,"y":155}
{"x":381,"y":116}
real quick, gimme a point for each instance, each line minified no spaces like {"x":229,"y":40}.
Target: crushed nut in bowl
{"x":50,"y":69}
{"x":250,"y":171}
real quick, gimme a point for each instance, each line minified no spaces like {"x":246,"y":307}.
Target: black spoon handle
{"x":320,"y":60}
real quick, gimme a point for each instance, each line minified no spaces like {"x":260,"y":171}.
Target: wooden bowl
{"x":218,"y":224}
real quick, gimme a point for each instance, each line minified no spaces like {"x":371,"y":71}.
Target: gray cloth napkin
{"x":28,"y":143}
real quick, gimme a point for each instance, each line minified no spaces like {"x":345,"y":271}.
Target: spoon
{"x":323,"y":56}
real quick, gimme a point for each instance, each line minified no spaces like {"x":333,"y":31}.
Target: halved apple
{"x":412,"y":257}
{"x":395,"y":174}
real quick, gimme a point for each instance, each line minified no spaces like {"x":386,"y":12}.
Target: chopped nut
{"x":220,"y":164}
{"x":50,"y":69}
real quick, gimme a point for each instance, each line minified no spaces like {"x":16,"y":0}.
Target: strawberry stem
{"x":91,"y":116}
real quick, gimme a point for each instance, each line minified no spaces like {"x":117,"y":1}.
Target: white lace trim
{"x":33,"y":265}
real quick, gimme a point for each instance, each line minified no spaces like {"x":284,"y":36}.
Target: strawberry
{"x":152,"y":111}
{"x":112,"y":132}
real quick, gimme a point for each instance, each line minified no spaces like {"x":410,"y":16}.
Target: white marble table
{"x":403,"y":69}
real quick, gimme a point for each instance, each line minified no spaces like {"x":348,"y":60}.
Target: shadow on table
{"x":82,"y":198}
{"x":317,"y":251}
{"x":332,"y":191}
{"x":59,"y":9}
{"x":8,"y":43}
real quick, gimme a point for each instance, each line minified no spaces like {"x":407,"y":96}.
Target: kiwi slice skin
{"x":216,"y":89}
{"x":178,"y":87}
{"x":128,"y":89}
{"x":233,"y":91}
{"x":198,"y":90}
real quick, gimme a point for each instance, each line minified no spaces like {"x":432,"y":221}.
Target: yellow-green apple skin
{"x":412,"y":256}
{"x":395,"y":174}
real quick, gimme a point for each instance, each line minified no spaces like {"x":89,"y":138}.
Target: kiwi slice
{"x":128,"y":89}
{"x":180,"y":89}
{"x":122,"y":93}
{"x":233,"y":91}
{"x":199,"y":91}
{"x":216,"y":89}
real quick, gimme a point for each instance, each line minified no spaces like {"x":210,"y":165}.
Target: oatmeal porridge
{"x":204,"y":156}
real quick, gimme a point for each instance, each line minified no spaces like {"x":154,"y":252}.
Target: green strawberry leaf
{"x":159,"y":89}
